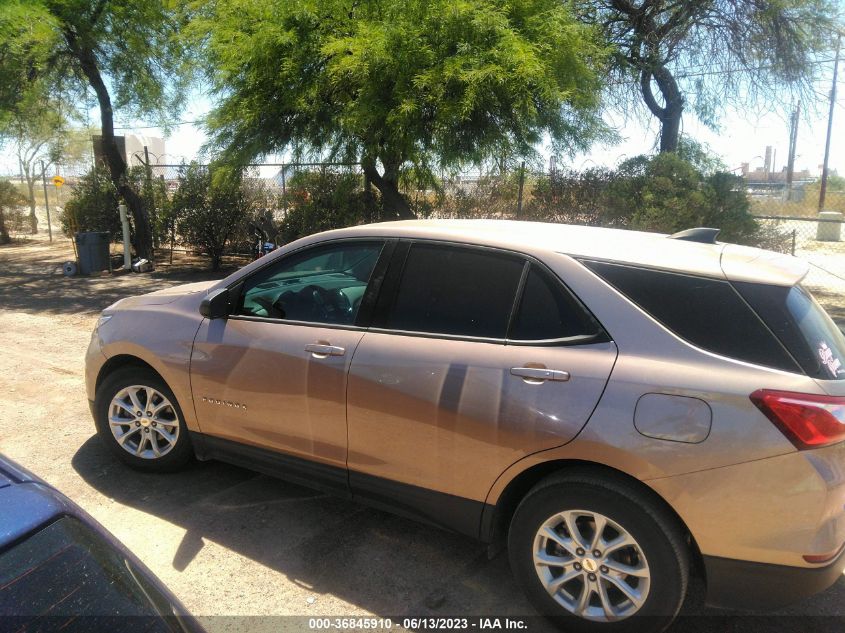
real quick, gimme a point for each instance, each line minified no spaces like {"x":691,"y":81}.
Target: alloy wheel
{"x":591,"y":566}
{"x":144,"y":422}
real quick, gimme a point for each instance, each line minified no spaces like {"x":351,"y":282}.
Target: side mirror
{"x":216,"y":304}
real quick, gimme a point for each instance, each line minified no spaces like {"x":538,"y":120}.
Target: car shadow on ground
{"x":384,"y":564}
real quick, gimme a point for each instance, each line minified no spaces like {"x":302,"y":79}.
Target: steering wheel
{"x":327,"y":305}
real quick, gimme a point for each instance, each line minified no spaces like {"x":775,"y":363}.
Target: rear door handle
{"x":537,"y":375}
{"x":320,"y":350}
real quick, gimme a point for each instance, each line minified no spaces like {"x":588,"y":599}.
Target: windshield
{"x":802,"y":326}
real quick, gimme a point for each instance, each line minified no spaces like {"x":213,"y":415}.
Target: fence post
{"x":793,"y":242}
{"x":519,"y":194}
{"x":151,"y":209}
{"x":46,"y":202}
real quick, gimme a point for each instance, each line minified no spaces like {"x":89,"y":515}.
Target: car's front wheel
{"x":139,"y":419}
{"x":596,"y":554}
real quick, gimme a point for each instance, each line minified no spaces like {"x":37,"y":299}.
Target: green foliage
{"x":573,"y":198}
{"x":322,"y":200}
{"x":666,"y":193}
{"x":210,"y":209}
{"x":44,"y":45}
{"x":93,"y":206}
{"x":10,"y":199}
{"x":663,"y":193}
{"x":128,"y":54}
{"x":399,"y":82}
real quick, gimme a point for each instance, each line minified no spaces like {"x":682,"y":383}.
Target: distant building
{"x":131,"y":147}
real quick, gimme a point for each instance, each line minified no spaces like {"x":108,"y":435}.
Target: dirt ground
{"x":233,"y":545}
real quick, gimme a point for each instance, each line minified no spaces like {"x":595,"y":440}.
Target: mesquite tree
{"x":398,"y":84}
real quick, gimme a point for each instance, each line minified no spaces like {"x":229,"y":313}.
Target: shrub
{"x":322,"y":200}
{"x":209,"y":208}
{"x":667,"y":193}
{"x":10,"y":199}
{"x":93,"y":206}
{"x":571,"y":197}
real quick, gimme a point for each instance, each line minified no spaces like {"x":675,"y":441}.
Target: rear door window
{"x":802,"y":325}
{"x":456,"y":291}
{"x":548,"y":311}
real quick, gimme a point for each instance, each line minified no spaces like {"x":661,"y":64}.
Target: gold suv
{"x":616,"y":407}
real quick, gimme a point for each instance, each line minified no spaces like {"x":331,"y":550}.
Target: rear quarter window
{"x":709,"y":313}
{"x":802,"y":325}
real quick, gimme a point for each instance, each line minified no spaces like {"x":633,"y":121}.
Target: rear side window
{"x":547,"y":311}
{"x":459,"y":291}
{"x":802,"y":325}
{"x":708,"y":313}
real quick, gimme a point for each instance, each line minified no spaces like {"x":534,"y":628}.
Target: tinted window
{"x":67,"y":578}
{"x":548,"y":311}
{"x":324,"y":284}
{"x":706,"y":312}
{"x":450,"y":290}
{"x":802,"y":325}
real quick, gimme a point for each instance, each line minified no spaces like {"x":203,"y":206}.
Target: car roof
{"x":638,"y":248}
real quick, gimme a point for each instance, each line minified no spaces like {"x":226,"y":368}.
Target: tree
{"x":10,"y":197}
{"x":35,"y":128}
{"x":706,"y":54}
{"x":210,"y":208}
{"x":397,"y":84}
{"x":126,"y":51}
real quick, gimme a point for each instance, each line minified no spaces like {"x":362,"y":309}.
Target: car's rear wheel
{"x":139,"y":419}
{"x":596,"y":554}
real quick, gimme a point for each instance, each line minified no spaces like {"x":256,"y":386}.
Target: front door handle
{"x":536,"y":375}
{"x":321,"y":350}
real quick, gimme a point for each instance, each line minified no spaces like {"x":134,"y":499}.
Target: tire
{"x":659,"y":555}
{"x":166,"y":424}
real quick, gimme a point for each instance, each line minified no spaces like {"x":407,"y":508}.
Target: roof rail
{"x":699,"y":234}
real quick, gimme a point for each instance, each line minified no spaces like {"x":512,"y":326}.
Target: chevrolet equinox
{"x":615,"y":407}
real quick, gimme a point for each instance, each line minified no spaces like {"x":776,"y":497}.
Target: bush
{"x":210,"y":209}
{"x":571,"y":197}
{"x":93,"y":206}
{"x":667,"y":193}
{"x":322,"y":200}
{"x":10,"y":199}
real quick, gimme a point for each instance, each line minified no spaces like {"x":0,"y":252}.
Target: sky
{"x":741,"y":137}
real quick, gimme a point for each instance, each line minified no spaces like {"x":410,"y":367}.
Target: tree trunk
{"x":4,"y":232}
{"x":394,"y":202}
{"x":670,"y":128}
{"x":33,"y":219}
{"x":670,"y":114}
{"x":30,"y":186}
{"x":114,"y":160}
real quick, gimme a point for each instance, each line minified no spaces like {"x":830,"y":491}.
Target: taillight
{"x":808,"y":420}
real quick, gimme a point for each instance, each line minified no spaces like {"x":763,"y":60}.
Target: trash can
{"x":92,"y":248}
{"x":830,"y":229}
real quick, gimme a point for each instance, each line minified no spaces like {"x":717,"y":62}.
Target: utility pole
{"x":46,"y":201}
{"x":793,"y":142}
{"x":823,"y":188}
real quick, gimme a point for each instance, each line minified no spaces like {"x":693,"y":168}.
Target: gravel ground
{"x":235,"y":546}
